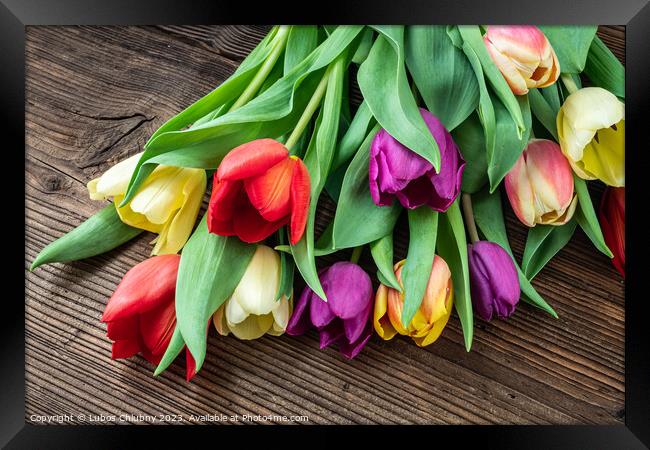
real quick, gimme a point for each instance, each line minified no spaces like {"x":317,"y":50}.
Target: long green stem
{"x":260,"y":76}
{"x":313,"y":104}
{"x":356,"y":254}
{"x":569,"y":83}
{"x":469,"y":218}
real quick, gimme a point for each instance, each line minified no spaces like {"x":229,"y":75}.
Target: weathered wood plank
{"x":94,"y":95}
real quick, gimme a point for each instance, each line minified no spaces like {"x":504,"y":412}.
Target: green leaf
{"x":385,"y":87}
{"x":100,"y":233}
{"x":176,"y":345}
{"x":271,"y":114}
{"x":286,"y":270}
{"x":364,"y":47}
{"x":604,"y":69}
{"x":358,"y":220}
{"x":228,"y":91}
{"x":571,"y":44}
{"x":471,"y":35}
{"x":423,"y":229}
{"x":488,"y":215}
{"x":508,"y":144}
{"x":470,"y":139}
{"x":302,"y":40}
{"x":452,"y":247}
{"x":318,"y":160}
{"x":442,"y":74}
{"x":485,"y":107}
{"x":543,"y":242}
{"x":543,"y":111}
{"x":586,"y":217}
{"x":211,"y":267}
{"x":354,"y":136}
{"x":382,"y":254}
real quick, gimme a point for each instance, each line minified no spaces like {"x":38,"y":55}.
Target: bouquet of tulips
{"x":449,"y":115}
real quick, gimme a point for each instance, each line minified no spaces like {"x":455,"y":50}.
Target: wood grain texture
{"x":94,"y":95}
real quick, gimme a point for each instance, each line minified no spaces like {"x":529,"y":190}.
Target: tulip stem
{"x":260,"y":76}
{"x":356,"y":254}
{"x":311,"y":107}
{"x":570,"y":85}
{"x":469,"y":218}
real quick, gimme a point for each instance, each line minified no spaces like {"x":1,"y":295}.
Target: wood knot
{"x":52,"y":182}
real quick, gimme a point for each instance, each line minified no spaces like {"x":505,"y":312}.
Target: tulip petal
{"x":320,"y":313}
{"x":330,"y":334}
{"x":300,"y":193}
{"x":269,"y":192}
{"x":190,"y":365}
{"x":251,"y":159}
{"x":437,"y":290}
{"x":115,"y":180}
{"x":253,"y":327}
{"x":177,"y":231}
{"x":604,"y":156}
{"x":125,"y":348}
{"x":438,"y":326}
{"x":219,"y":321}
{"x":520,"y":192}
{"x":125,"y":328}
{"x":348,"y":288}
{"x":255,"y":293}
{"x":146,"y":286}
{"x":352,"y":349}
{"x":299,"y":321}
{"x":354,"y":326}
{"x":381,"y":323}
{"x":157,"y":326}
{"x":281,"y":316}
{"x":250,"y":226}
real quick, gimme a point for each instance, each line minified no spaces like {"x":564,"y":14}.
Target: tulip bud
{"x":141,"y":314}
{"x":591,"y":131}
{"x":345,"y":318}
{"x":493,"y":279}
{"x":429,"y":320}
{"x":167,"y":203}
{"x":259,"y":188}
{"x":523,"y":55}
{"x":396,"y":171}
{"x":252,"y":310}
{"x":540,"y":185}
{"x":612,"y":221}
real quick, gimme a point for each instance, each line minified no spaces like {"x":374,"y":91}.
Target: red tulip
{"x":141,"y":314}
{"x":612,"y":221}
{"x":259,"y":188}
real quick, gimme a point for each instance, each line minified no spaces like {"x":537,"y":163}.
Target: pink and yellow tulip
{"x":523,"y":55}
{"x":540,"y":185}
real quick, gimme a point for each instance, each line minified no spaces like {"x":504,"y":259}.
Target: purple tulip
{"x":345,"y":317}
{"x":396,"y":171}
{"x":494,"y":281}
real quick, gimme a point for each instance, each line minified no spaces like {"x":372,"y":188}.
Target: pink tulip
{"x":540,"y":185}
{"x":523,"y":55}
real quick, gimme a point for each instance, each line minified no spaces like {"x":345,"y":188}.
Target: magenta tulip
{"x":345,"y":318}
{"x":396,"y":171}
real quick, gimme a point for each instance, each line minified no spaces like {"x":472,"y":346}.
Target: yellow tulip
{"x":429,"y":320}
{"x":252,"y":311}
{"x":591,"y":131}
{"x":167,"y":203}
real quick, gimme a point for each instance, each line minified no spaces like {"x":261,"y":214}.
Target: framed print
{"x":421,"y":222}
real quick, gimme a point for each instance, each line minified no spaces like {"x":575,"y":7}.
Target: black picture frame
{"x":635,"y":14}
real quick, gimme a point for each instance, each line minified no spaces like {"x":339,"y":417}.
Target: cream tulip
{"x":591,"y":131}
{"x":252,"y":311}
{"x":167,"y":203}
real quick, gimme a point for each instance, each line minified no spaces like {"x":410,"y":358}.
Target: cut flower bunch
{"x":453,"y":119}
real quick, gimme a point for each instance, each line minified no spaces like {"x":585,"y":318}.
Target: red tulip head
{"x":257,"y":189}
{"x":141,"y":314}
{"x":612,"y":221}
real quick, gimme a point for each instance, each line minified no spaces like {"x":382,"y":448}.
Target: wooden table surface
{"x":94,"y":96}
